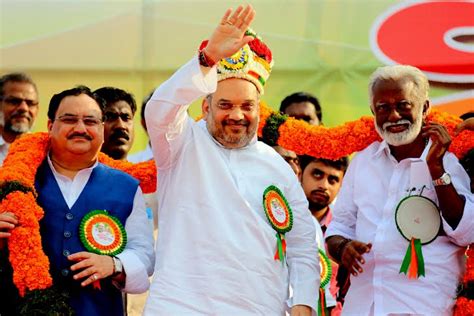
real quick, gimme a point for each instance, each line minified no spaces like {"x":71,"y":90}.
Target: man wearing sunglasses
{"x":19,"y":108}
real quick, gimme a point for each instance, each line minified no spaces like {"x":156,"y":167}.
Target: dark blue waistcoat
{"x":107,"y":189}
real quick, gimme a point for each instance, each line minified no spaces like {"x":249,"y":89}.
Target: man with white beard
{"x":18,"y":108}
{"x":404,"y":214}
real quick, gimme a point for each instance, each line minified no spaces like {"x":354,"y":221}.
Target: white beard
{"x":403,"y":138}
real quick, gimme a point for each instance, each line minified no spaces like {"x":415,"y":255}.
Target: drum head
{"x":418,"y":217}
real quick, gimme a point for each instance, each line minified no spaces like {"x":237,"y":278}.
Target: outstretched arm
{"x":166,"y":117}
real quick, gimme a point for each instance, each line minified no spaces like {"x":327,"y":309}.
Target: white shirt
{"x":372,"y":188}
{"x":215,"y":249}
{"x":141,"y":156}
{"x":4,"y":146}
{"x":138,"y":256}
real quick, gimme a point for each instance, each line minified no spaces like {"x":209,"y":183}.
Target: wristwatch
{"x":118,"y":267}
{"x":445,"y":179}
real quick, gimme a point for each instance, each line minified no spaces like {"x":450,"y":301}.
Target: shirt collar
{"x":384,"y":148}
{"x":57,"y":174}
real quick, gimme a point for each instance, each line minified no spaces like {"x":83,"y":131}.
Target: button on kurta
{"x":66,"y":253}
{"x":69,"y":216}
{"x":65,"y":272}
{"x":67,"y":234}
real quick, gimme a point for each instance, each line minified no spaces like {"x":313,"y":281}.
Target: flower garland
{"x":337,"y":142}
{"x":17,"y":176}
{"x":465,"y":302}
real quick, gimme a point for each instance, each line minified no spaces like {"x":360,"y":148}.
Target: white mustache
{"x":402,"y":121}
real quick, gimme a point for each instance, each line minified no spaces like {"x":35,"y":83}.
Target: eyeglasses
{"x":400,"y":107}
{"x":89,"y":121}
{"x":15,"y":101}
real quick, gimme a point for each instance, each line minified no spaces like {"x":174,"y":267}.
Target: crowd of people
{"x":238,"y":227}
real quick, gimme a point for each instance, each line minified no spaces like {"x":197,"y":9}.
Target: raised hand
{"x":441,"y":141}
{"x":229,"y":36}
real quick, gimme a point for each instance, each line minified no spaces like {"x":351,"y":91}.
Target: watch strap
{"x":445,"y":179}
{"x":204,"y":60}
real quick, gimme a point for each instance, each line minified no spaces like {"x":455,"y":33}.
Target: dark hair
{"x":57,"y":98}
{"x":145,"y":101}
{"x":467,"y":115}
{"x":299,"y":97}
{"x":340,"y":164}
{"x":468,"y":162}
{"x":112,"y":95}
{"x":16,"y":77}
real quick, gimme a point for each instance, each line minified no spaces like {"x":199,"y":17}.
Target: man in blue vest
{"x":70,"y":184}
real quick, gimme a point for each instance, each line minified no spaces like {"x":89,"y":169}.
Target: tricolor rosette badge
{"x":326,"y":272}
{"x":418,"y":220}
{"x":102,"y":233}
{"x":280,"y":216}
{"x":326,"y":269}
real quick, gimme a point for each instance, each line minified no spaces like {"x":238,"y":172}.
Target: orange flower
{"x":464,"y":307}
{"x":30,"y":264}
{"x":336,"y":142}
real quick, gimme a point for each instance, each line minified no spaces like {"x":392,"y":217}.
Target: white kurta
{"x":215,"y":249}
{"x":365,"y":210}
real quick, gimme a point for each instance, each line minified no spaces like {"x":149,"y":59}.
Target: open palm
{"x":229,"y":37}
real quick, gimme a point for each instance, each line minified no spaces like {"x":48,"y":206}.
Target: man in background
{"x":18,"y":108}
{"x":321,"y":180}
{"x":119,"y":130}
{"x":302,"y":106}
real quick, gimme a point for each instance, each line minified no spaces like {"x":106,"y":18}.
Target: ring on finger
{"x":95,"y":277}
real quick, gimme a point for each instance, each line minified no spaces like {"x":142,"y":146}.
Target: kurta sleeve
{"x":166,"y":112}
{"x":302,"y":252}
{"x":138,"y":258}
{"x":463,"y":235}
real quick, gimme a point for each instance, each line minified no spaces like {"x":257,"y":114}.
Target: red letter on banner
{"x":424,"y":35}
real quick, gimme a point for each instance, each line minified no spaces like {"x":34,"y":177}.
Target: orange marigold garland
{"x":30,"y":264}
{"x":336,"y":142}
{"x":465,"y":301}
